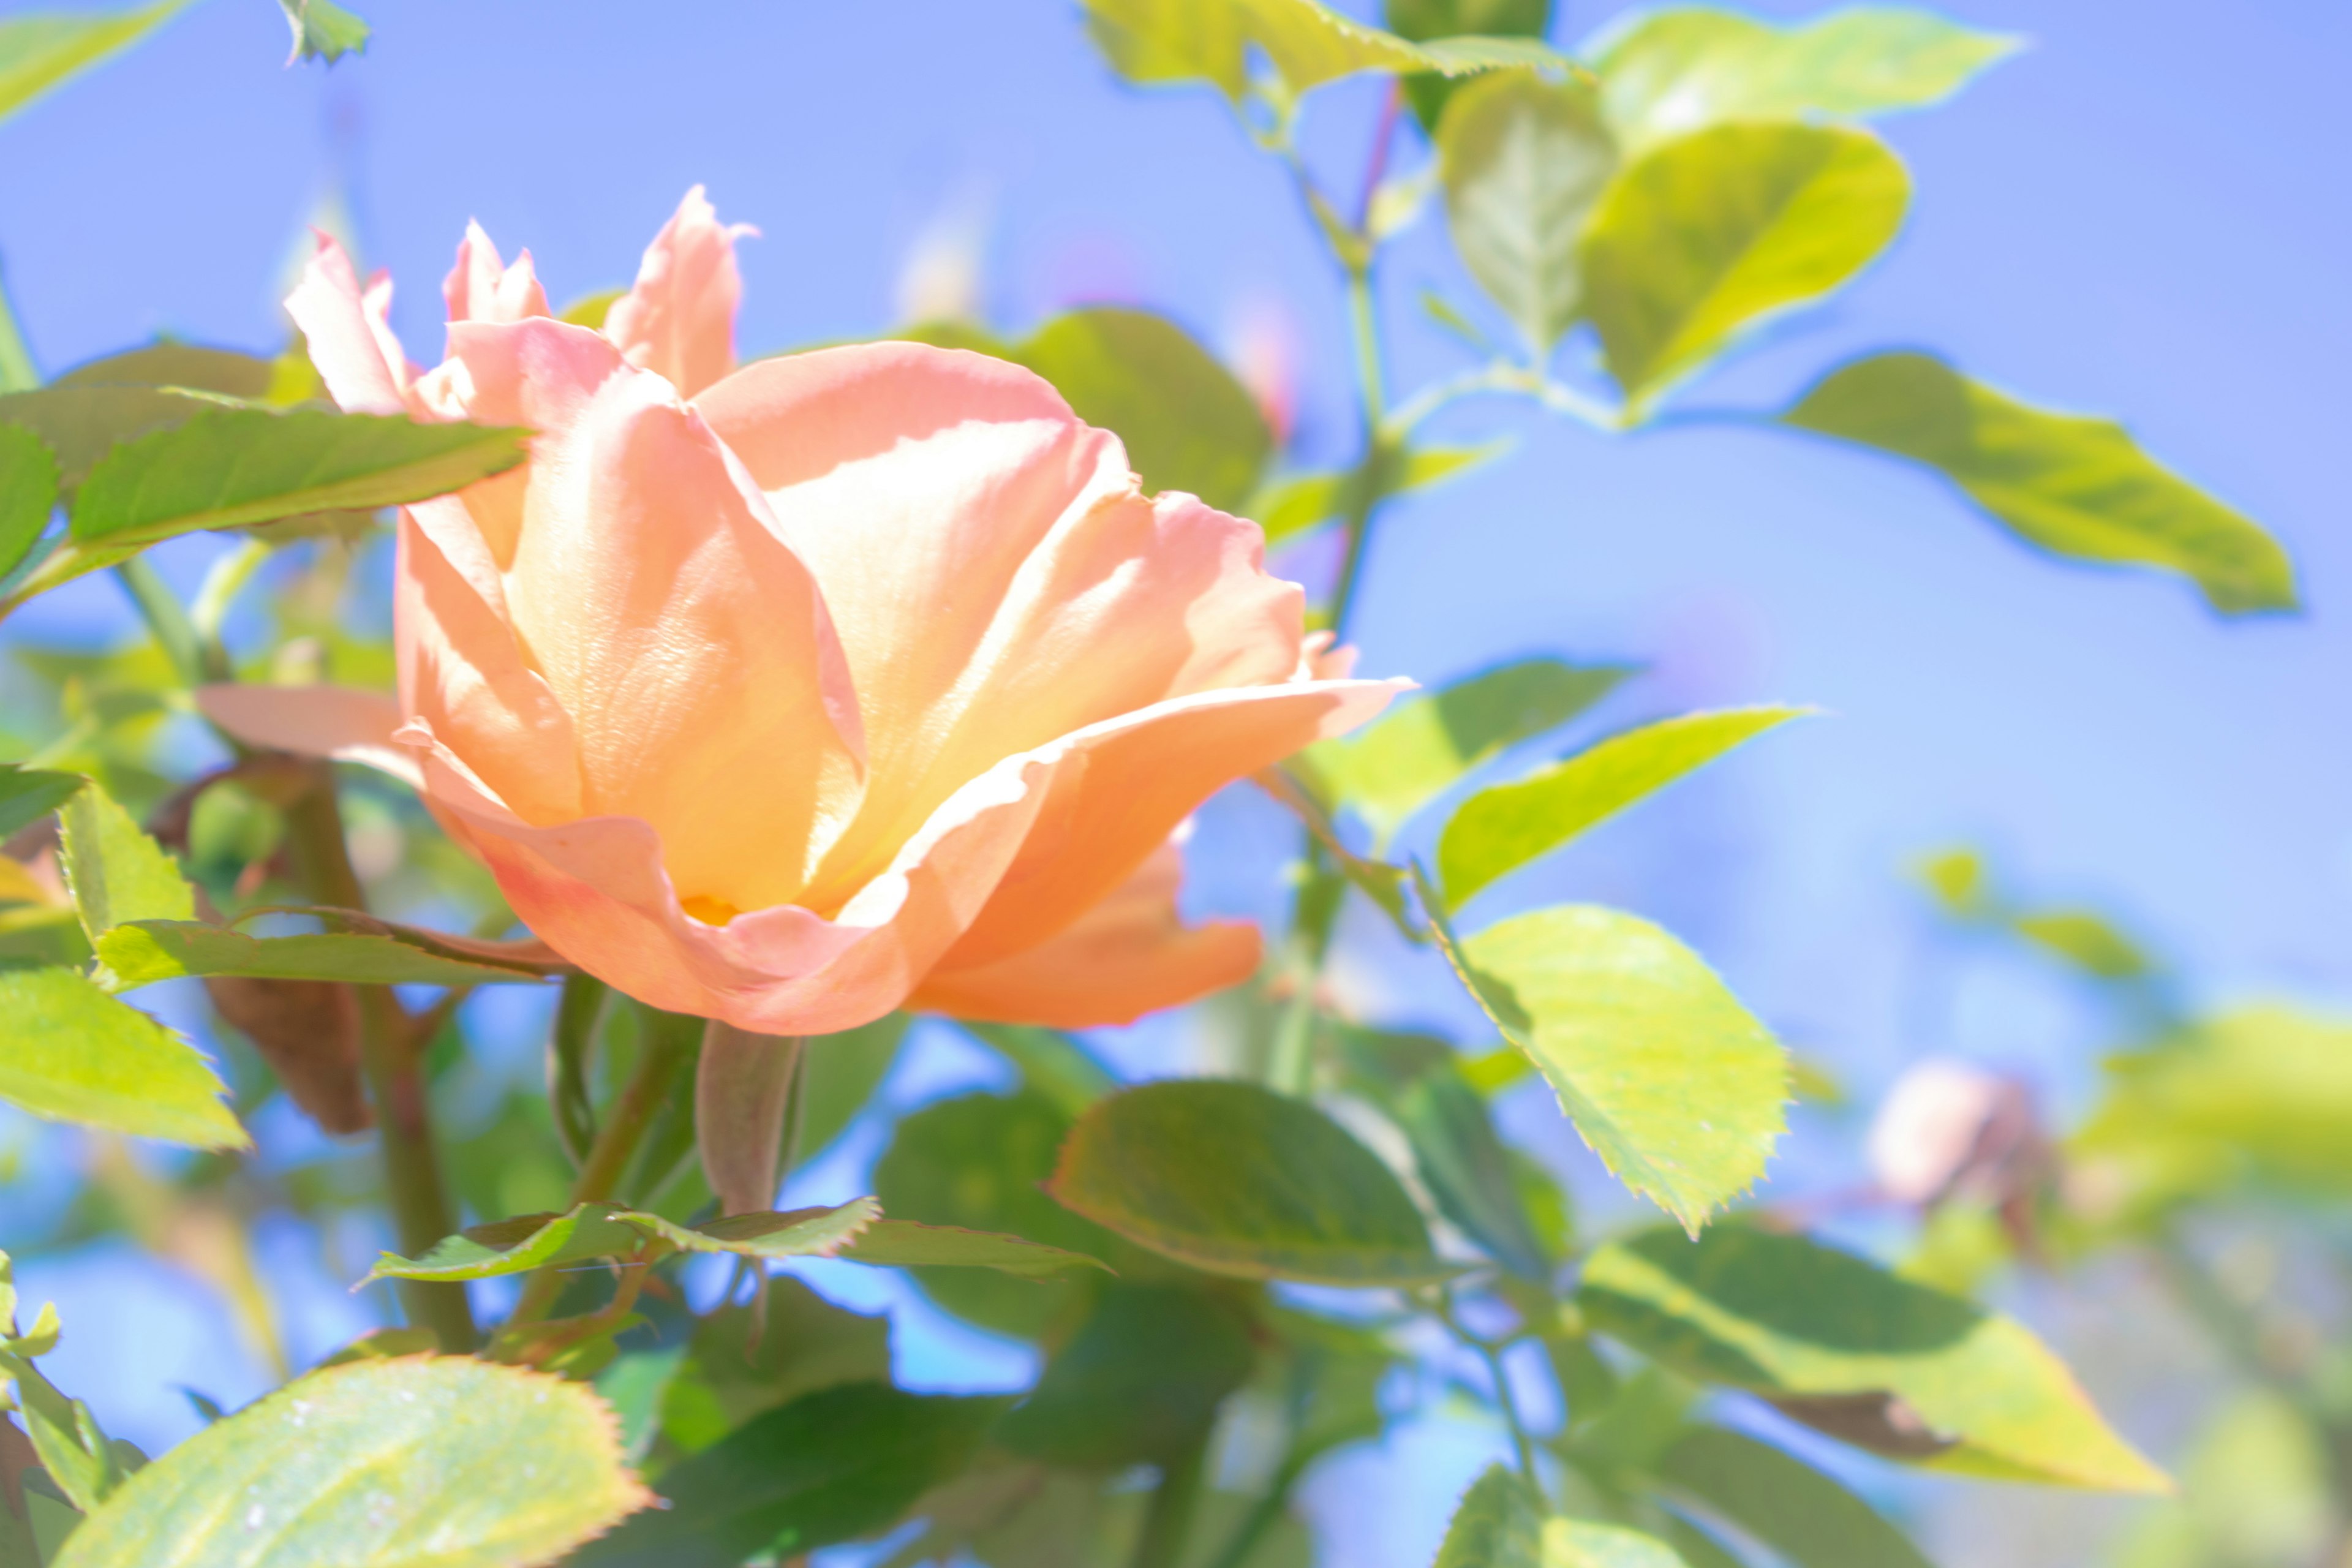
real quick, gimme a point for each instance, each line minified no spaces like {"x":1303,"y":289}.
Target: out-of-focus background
{"x":2144,"y":213}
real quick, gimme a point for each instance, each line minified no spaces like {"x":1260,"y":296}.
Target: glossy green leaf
{"x":2076,"y":486}
{"x":531,"y":1241}
{"x":1840,"y":1342}
{"x":75,"y":1054}
{"x":832,"y":1466}
{"x":28,"y":795}
{"x":115,"y":871}
{"x":39,"y":52}
{"x":1702,"y":237}
{"x":1503,"y":828}
{"x":28,"y":492}
{"x":426,"y":1462}
{"x":1139,"y":1382}
{"x":1427,"y":21}
{"x":1304,"y":43}
{"x":144,"y":951}
{"x":1774,"y":1498}
{"x":1667,"y":1077}
{"x":230,"y":468}
{"x":1186,"y":423}
{"x":1524,"y":161}
{"x":903,"y":1244}
{"x":323,"y":30}
{"x":1669,"y":72}
{"x":1424,"y":745}
{"x":223,"y":372}
{"x":980,"y":1162}
{"x":1236,"y":1179}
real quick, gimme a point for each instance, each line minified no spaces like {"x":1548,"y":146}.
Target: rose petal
{"x":480,"y":288}
{"x":314,"y":722}
{"x":678,"y":321}
{"x":348,"y":338}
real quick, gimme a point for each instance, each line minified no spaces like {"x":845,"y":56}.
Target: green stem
{"x":174,"y":633}
{"x":16,"y":372}
{"x":1507,"y":1402}
{"x":391,"y":1062}
{"x":1167,"y":1519}
{"x":608,"y":1157}
{"x":1263,"y":1516}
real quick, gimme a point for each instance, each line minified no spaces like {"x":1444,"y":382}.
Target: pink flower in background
{"x":792,"y":694}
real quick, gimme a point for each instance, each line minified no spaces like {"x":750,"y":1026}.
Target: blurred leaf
{"x":1461,"y":1160}
{"x":1426,"y":744}
{"x":1304,"y":43}
{"x":411,"y":1461}
{"x":39,"y":52}
{"x":223,"y":372}
{"x":1580,"y":1543}
{"x":79,"y":1458}
{"x":1524,"y":160}
{"x":2076,"y":486}
{"x":1503,"y":826}
{"x":229,"y":467}
{"x":114,"y":870}
{"x":1667,"y":1077}
{"x":1288,"y":507}
{"x":2086,"y":939}
{"x":2261,"y":1095}
{"x":1705,"y":236}
{"x":28,"y":493}
{"x":28,"y":795}
{"x":589,"y":311}
{"x":832,"y":1466}
{"x":1186,"y":423}
{"x":980,"y":1162}
{"x":1296,"y":785}
{"x":605,"y":1230}
{"x":1497,"y":1524}
{"x":1055,"y":1063}
{"x":1424,"y":21}
{"x":806,"y":1343}
{"x":385,"y":1344}
{"x":139,"y":953}
{"x":75,"y":1054}
{"x":839,"y":1073}
{"x":323,"y":30}
{"x":1773,"y":1497}
{"x":1960,"y":881}
{"x":1840,"y":1344}
{"x":1669,"y":72}
{"x":2255,"y":1489}
{"x":903,"y":1244}
{"x":1236,"y":1179}
{"x":1139,"y":1383}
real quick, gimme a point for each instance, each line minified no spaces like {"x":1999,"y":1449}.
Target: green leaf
{"x":222,"y":371}
{"x":1236,"y":1179}
{"x":1498,"y":1523}
{"x":903,"y":1244}
{"x":606,"y":1230}
{"x":1416,"y":1081}
{"x":1524,"y":161}
{"x":1290,"y":506}
{"x":82,"y":421}
{"x":1667,"y":1077}
{"x":413,"y":1462}
{"x":590,"y":310}
{"x":2088,"y":939}
{"x":747,"y":1361}
{"x":1843,"y":1344}
{"x":980,"y":1162}
{"x":1502,"y":828}
{"x":75,"y":1054}
{"x":82,"y":1462}
{"x":1776,"y":1499}
{"x":1580,"y":1543}
{"x":1669,"y":72}
{"x":323,"y":30}
{"x":1705,"y":236}
{"x":1425,"y":21}
{"x":1305,"y":44}
{"x":230,"y":468}
{"x":1187,"y":424}
{"x":1425,"y":745}
{"x":1139,"y":1383}
{"x":2076,"y":486}
{"x":28,"y":795}
{"x":28,"y":493}
{"x":37,"y":53}
{"x":832,"y":1466}
{"x":839,"y":1074}
{"x":144,"y":951}
{"x":1053,"y":1063}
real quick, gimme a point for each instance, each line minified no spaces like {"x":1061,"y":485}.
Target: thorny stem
{"x":391,"y":1062}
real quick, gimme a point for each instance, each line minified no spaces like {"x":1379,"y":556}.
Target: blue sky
{"x":2145,"y":214}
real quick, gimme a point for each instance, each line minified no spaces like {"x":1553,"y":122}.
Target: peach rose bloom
{"x":792,"y":693}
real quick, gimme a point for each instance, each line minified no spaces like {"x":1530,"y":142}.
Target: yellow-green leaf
{"x":28,"y":492}
{"x":1503,"y":828}
{"x":1306,"y":44}
{"x":1669,"y":72}
{"x":1841,"y":1344}
{"x":323,"y":30}
{"x":1666,"y":1077}
{"x":1708,"y":235}
{"x":1236,"y":1179}
{"x":1430,"y":21}
{"x":424,"y":1462}
{"x":1501,"y":1523}
{"x":223,"y":372}
{"x":70,"y":1052}
{"x":116,"y":872}
{"x":1524,"y":160}
{"x":37,"y":53}
{"x":2077,"y":486}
